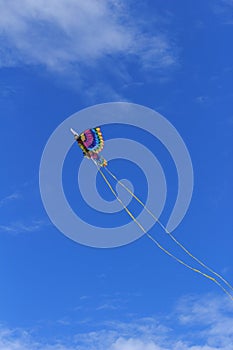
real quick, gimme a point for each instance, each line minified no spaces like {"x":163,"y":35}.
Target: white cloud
{"x":89,"y":45}
{"x":216,"y":315}
{"x":134,"y":344}
{"x":69,"y":35}
{"x":57,"y":33}
{"x":196,"y":324}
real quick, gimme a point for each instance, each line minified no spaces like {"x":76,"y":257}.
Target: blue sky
{"x":58,"y":58}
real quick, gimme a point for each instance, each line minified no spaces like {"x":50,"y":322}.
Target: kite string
{"x":190,"y":267}
{"x":169,"y":233}
{"x":154,"y":240}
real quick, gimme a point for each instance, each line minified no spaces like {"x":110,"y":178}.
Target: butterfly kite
{"x":91,"y":143}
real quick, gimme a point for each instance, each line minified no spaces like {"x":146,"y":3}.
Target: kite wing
{"x":92,"y":139}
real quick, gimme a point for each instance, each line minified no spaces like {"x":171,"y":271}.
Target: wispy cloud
{"x":6,"y":91}
{"x":108,"y":303}
{"x":223,"y":9}
{"x":23,"y":227}
{"x":10,"y":198}
{"x":107,"y":307}
{"x":197,"y":324}
{"x":69,"y":36}
{"x":228,"y":2}
{"x":201,"y":99}
{"x":60,"y":34}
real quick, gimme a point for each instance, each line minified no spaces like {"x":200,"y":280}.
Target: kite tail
{"x":98,"y":160}
{"x":164,"y":228}
{"x":102,"y":162}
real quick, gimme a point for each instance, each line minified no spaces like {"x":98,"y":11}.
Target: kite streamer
{"x":165,"y":229}
{"x":173,"y":238}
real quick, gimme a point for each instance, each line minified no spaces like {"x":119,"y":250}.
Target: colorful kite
{"x":91,"y":143}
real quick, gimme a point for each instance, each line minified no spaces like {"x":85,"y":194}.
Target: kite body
{"x":91,"y":143}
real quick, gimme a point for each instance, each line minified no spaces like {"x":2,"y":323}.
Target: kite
{"x":91,"y":143}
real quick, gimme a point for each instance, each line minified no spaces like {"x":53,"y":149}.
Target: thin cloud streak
{"x":22,"y":227}
{"x":10,"y":198}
